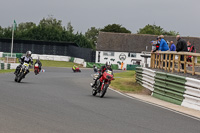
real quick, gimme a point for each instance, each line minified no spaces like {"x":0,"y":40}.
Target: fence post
{"x":193,"y":69}
{"x":151,"y":60}
{"x":162,"y":59}
{"x":165,"y":61}
{"x":179,"y":58}
{"x":169,"y":64}
{"x":173,"y":63}
{"x":156,"y":60}
{"x":185,"y":62}
{"x":159,"y":61}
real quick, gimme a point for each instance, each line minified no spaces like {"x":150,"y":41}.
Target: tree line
{"x":51,"y":29}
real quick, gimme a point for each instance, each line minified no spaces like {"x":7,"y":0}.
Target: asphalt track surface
{"x":60,"y":101}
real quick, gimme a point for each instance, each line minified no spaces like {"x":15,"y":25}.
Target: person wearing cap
{"x":156,"y":45}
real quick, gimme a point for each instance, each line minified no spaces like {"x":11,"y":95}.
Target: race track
{"x":60,"y":101}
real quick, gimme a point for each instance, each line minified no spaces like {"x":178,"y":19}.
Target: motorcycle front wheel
{"x":103,"y":92}
{"x":94,"y":92}
{"x":19,"y":78}
{"x":36,"y":72}
{"x":15,"y":78}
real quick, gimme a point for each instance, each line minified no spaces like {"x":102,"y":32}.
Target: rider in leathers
{"x":28,"y":59}
{"x":102,"y":70}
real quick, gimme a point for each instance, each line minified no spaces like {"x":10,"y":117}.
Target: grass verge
{"x":7,"y":71}
{"x":48,"y":63}
{"x":125,"y":82}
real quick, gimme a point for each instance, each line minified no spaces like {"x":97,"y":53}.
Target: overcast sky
{"x":179,"y":15}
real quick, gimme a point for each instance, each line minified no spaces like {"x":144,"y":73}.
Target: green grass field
{"x":125,"y":82}
{"x":7,"y":71}
{"x":48,"y":63}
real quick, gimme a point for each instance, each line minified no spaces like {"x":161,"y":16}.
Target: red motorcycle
{"x":103,"y":83}
{"x":76,"y":69}
{"x":36,"y":69}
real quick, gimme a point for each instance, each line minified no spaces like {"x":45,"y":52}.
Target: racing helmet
{"x":108,"y":65}
{"x":28,"y":54}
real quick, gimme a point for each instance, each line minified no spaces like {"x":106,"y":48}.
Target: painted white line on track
{"x":134,"y":98}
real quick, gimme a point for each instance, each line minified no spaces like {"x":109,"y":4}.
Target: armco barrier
{"x":79,"y":61}
{"x":169,"y":87}
{"x":90,"y":65}
{"x":18,"y":55}
{"x":131,"y":67}
{"x":145,"y":77}
{"x":99,"y":65}
{"x":43,"y":57}
{"x":1,"y":54}
{"x":5,"y":66}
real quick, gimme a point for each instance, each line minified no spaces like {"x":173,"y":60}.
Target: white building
{"x":120,"y":47}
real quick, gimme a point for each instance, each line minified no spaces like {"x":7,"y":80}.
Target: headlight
{"x":108,"y":77}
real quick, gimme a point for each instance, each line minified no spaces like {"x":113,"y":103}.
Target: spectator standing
{"x":181,"y":46}
{"x":157,"y":44}
{"x":190,"y":49}
{"x":172,"y":46}
{"x":163,"y":46}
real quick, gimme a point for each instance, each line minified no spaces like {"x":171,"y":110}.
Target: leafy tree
{"x":7,"y":32}
{"x":1,"y":31}
{"x":48,"y":29}
{"x":92,"y":35}
{"x":155,"y":30}
{"x":70,"y":27}
{"x":25,"y":26}
{"x":23,"y":30}
{"x":115,"y":28}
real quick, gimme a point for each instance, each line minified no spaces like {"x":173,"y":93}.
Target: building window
{"x":108,"y":54}
{"x":131,"y":54}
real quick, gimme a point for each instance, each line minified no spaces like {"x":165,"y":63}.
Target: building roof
{"x":123,"y":42}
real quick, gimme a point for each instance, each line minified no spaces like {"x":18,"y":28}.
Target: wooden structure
{"x":173,"y":62}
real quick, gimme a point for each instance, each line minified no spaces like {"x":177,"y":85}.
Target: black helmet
{"x":108,"y":66}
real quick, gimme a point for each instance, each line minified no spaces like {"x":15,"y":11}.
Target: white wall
{"x":1,"y":54}
{"x":116,"y":57}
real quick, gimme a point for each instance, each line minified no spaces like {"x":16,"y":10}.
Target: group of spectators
{"x":181,"y":46}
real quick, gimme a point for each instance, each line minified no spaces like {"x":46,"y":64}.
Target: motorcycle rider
{"x":102,"y":70}
{"x":95,"y":68}
{"x":39,"y":63}
{"x":28,"y":59}
{"x":74,"y":67}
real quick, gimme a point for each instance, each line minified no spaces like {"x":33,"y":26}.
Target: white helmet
{"x":28,"y":54}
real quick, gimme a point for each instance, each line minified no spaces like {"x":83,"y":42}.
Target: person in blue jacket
{"x":163,"y":44}
{"x":172,"y":47}
{"x":163,"y":47}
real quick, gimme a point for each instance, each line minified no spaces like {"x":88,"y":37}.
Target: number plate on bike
{"x":26,"y":64}
{"x":109,"y":72}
